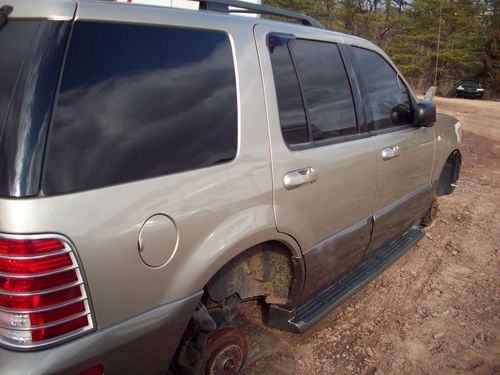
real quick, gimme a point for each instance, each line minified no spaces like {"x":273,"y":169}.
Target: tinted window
{"x":15,"y":38}
{"x":141,"y":101}
{"x":291,"y":108}
{"x":387,"y":97}
{"x":326,"y":88}
{"x":30,"y":62}
{"x":469,"y":83}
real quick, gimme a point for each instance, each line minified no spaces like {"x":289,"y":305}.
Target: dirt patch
{"x":436,"y":310}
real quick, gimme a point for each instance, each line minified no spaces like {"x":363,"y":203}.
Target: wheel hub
{"x":228,"y":350}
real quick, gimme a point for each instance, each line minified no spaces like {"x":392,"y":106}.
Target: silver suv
{"x":159,"y":166}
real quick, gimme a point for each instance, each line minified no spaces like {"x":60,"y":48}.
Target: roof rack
{"x":244,"y":7}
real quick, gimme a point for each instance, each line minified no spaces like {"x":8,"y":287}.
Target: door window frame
{"x":348,"y":51}
{"x":356,"y":95}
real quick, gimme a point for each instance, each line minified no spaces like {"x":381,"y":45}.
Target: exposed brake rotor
{"x":226,"y":350}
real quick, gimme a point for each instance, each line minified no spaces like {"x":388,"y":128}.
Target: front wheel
{"x":431,"y":214}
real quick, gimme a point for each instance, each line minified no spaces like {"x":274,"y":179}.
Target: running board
{"x":313,"y":310}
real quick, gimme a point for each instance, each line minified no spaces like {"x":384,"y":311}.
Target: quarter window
{"x":387,"y":97}
{"x":141,"y":101}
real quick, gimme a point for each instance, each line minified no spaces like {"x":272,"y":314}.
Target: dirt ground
{"x":437,"y":309}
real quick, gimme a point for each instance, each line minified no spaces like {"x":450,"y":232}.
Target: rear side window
{"x":141,"y":101}
{"x":326,"y":88}
{"x":387,"y":97}
{"x":15,"y":39}
{"x":291,"y":107}
{"x":313,"y":92}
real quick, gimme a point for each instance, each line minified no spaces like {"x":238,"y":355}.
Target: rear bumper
{"x":144,"y":344}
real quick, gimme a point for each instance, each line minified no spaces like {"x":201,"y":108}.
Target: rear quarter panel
{"x":219,"y":211}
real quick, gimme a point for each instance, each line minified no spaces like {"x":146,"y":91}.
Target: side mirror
{"x":425,"y":114}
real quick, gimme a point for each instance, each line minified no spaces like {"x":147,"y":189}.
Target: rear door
{"x":404,"y":153}
{"x":324,"y":166}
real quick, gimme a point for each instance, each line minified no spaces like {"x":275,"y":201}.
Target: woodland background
{"x":408,"y":31}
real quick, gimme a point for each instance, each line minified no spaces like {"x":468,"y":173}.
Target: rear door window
{"x":141,"y":101}
{"x":15,"y":39}
{"x":291,"y":107}
{"x":313,"y":91}
{"x":326,"y":88}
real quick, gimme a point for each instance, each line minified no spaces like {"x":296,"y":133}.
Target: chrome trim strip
{"x":69,"y":268}
{"x":43,"y":309}
{"x":42,"y":292}
{"x":45,"y":236}
{"x":38,"y":256}
{"x":48,"y":325}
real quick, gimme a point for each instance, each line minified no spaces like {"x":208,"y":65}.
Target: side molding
{"x":315,"y":308}
{"x":392,"y":220}
{"x":336,"y":255}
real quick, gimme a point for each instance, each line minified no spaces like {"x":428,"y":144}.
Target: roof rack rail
{"x":244,"y":7}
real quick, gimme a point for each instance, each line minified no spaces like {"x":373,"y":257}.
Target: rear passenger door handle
{"x":391,"y":152}
{"x":301,"y":177}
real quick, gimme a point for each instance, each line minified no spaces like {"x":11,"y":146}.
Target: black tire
{"x":431,"y":214}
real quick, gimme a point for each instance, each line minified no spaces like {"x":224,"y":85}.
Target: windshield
{"x":15,"y":39}
{"x":469,"y":82}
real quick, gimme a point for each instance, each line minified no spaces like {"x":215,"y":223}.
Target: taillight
{"x":43,"y":297}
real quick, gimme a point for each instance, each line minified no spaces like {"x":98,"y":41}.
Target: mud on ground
{"x":437,"y":309}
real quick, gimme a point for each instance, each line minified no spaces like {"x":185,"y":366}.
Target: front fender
{"x":448,"y":138}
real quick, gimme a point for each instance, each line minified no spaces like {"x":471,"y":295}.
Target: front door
{"x":404,"y":153}
{"x":324,"y":167}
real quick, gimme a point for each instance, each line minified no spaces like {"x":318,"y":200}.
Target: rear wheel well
{"x":265,"y":270}
{"x":449,"y":174}
{"x":212,"y":338}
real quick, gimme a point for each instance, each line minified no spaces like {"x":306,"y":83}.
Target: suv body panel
{"x":448,"y":137}
{"x":314,"y":215}
{"x":403,"y":187}
{"x":219,"y":211}
{"x":57,"y":10}
{"x":124,"y":348}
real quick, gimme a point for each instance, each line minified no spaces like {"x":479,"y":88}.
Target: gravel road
{"x":437,"y":309}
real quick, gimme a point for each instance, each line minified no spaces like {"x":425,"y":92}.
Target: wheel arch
{"x":449,"y":174}
{"x":270,"y":269}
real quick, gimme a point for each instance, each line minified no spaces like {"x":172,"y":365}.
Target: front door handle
{"x":301,"y":177}
{"x":391,"y":152}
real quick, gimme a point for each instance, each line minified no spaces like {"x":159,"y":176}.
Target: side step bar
{"x":313,"y":310}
